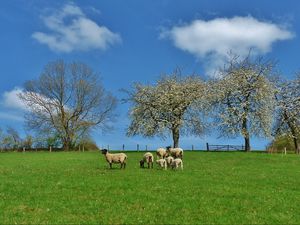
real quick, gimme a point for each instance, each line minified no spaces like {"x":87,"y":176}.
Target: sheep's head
{"x":104,"y":151}
{"x":142,"y":163}
{"x":168,"y":148}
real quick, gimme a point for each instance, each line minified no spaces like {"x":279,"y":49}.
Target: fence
{"x":225,"y":147}
{"x":140,"y":147}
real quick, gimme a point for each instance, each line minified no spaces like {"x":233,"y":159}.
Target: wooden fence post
{"x":138,"y":147}
{"x":207,"y":147}
{"x":123,"y":147}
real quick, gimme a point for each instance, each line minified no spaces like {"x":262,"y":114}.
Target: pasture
{"x":213,"y":188}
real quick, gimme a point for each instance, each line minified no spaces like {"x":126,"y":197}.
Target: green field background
{"x":213,"y":188}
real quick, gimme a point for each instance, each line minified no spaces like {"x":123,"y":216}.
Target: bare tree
{"x":288,"y":110}
{"x":67,"y":99}
{"x":169,"y":106}
{"x":14,"y":137}
{"x":244,"y":99}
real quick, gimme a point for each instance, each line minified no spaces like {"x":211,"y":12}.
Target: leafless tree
{"x":168,"y":106}
{"x":67,"y":99}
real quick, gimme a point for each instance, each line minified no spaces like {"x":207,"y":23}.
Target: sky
{"x":137,"y":41}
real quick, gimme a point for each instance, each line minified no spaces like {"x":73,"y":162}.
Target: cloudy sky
{"x":138,"y":40}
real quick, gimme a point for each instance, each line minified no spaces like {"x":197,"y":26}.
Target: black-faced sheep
{"x":176,"y":163}
{"x":169,"y":161}
{"x":161,"y":153}
{"x":162,"y":163}
{"x":115,"y":158}
{"x":175,"y":152}
{"x":148,"y":158}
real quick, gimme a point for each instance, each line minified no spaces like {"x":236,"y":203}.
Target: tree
{"x":67,"y":99}
{"x":169,"y":106}
{"x":288,"y":110}
{"x":244,"y":99}
{"x":14,"y":137}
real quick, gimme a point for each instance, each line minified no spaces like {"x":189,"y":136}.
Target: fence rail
{"x":225,"y":147}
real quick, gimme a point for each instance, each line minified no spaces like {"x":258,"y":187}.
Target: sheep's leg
{"x":124,"y":165}
{"x":148,"y":165}
{"x":110,"y":165}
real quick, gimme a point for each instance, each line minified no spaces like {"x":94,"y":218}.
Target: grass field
{"x":213,"y":188}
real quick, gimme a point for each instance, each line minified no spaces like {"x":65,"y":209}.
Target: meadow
{"x":213,"y":188}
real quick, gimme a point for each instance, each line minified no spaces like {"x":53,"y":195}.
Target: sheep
{"x":148,"y":158}
{"x":162,"y":163}
{"x":169,"y":161}
{"x":175,"y":152}
{"x":176,"y":163}
{"x":161,"y":153}
{"x":115,"y":158}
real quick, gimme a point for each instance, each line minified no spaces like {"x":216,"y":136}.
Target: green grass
{"x":213,"y":188}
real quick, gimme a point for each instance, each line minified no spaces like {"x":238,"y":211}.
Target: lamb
{"x":169,"y":161}
{"x":148,"y":158}
{"x":162,"y":163}
{"x":175,"y":152}
{"x":115,"y":158}
{"x":161,"y":153}
{"x":176,"y":163}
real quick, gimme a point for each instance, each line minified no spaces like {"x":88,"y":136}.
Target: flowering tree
{"x":169,"y":106}
{"x":244,"y":99}
{"x":288,"y":110}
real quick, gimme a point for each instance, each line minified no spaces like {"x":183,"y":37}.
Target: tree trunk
{"x":175,"y":134}
{"x":293,"y":131}
{"x":247,"y":144}
{"x":246,"y":135}
{"x":67,"y":144}
{"x":296,"y":145}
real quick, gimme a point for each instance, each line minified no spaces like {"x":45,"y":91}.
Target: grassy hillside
{"x":214,"y":187}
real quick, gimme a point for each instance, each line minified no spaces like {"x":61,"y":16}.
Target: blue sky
{"x":136,"y":40}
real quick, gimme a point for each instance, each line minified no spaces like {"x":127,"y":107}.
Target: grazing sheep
{"x":175,"y":152}
{"x":162,"y":163}
{"x":115,"y":158}
{"x":169,"y":161}
{"x":161,"y":153}
{"x":148,"y":158}
{"x":176,"y":163}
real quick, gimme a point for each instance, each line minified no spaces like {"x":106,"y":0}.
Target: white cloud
{"x":11,"y":100}
{"x":71,"y":30}
{"x":212,"y":40}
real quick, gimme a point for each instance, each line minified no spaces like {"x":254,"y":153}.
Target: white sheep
{"x":115,"y":158}
{"x":175,"y":152}
{"x":162,"y":163}
{"x":161,"y":153}
{"x":176,"y":163}
{"x":148,"y":158}
{"x":169,"y":161}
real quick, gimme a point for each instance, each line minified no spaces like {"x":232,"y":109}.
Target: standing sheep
{"x":115,"y":158}
{"x":162,"y":163}
{"x":161,"y":153}
{"x":148,"y":158}
{"x":169,"y":161}
{"x":176,"y":163}
{"x":175,"y":152}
